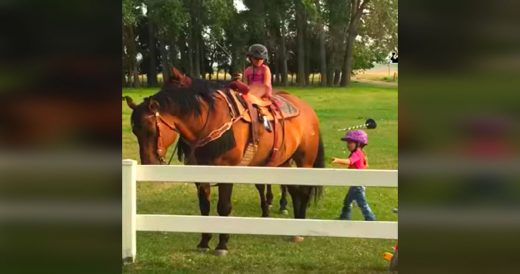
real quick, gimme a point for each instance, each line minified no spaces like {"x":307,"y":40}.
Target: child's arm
{"x":267,"y":82}
{"x":341,"y":161}
{"x":244,"y":76}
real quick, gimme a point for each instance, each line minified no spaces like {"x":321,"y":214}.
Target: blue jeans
{"x":356,"y":193}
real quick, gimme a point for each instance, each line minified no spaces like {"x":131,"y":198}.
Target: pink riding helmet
{"x":358,"y":136}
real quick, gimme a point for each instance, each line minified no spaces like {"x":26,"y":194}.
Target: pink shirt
{"x":256,"y":76}
{"x":357,"y":159}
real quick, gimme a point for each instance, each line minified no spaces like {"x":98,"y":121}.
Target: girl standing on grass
{"x":356,"y":140}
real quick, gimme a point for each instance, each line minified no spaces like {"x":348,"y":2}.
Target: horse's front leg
{"x":224,"y":209}
{"x":263,"y":201}
{"x":203,"y":193}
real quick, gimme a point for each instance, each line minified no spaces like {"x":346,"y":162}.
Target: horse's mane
{"x":185,"y":100}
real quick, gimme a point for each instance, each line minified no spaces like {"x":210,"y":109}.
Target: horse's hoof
{"x":297,"y":239}
{"x":284,"y":212}
{"x":203,"y":249}
{"x":221,"y":252}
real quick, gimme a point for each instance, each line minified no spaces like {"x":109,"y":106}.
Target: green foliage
{"x":170,"y":16}
{"x":130,"y":12}
{"x":377,"y":35}
{"x":223,"y":34}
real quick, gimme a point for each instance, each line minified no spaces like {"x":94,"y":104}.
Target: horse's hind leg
{"x":305,"y":159}
{"x":283,"y":200}
{"x":203,"y":192}
{"x":269,"y":196}
{"x":224,"y":209}
{"x":301,"y":194}
{"x":263,"y":200}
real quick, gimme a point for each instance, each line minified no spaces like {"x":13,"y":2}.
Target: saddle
{"x":278,"y":108}
{"x":253,"y":109}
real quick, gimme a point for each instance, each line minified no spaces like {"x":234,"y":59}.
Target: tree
{"x":300,"y":34}
{"x":130,"y":12}
{"x":357,"y":10}
{"x":169,"y":17}
{"x":319,"y":18}
{"x":336,"y":23}
{"x":330,"y":37}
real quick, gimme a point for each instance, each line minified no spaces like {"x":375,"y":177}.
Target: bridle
{"x":213,"y":135}
{"x":160,"y":146}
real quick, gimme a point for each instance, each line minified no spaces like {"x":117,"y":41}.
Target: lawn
{"x":336,"y":108}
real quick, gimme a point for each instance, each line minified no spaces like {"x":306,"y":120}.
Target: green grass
{"x":336,"y":108}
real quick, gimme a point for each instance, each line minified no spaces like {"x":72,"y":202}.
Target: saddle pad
{"x":288,"y":109}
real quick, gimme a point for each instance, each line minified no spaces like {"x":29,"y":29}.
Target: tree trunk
{"x":347,"y":62}
{"x":330,"y":69}
{"x":164,"y":62}
{"x":323,"y":57}
{"x":330,"y":73}
{"x":185,"y":55}
{"x":336,"y":77}
{"x":283,"y":56}
{"x":356,"y":11}
{"x":235,"y":66}
{"x":276,"y":69}
{"x":195,"y":37}
{"x":323,"y":60}
{"x":152,"y":56}
{"x":300,"y":42}
{"x":196,"y":55}
{"x":132,"y":54}
{"x":172,"y":51}
{"x":307,"y":51}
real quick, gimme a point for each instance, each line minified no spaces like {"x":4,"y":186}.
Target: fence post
{"x":129,"y":210}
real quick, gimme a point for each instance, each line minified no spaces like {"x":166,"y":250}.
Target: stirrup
{"x":267,"y":124}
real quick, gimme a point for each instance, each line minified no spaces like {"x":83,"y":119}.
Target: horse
{"x":210,"y":134}
{"x":168,"y":137}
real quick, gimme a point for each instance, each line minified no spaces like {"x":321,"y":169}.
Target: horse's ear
{"x":183,"y":79}
{"x":186,"y":81}
{"x":130,"y":102}
{"x":176,"y":74}
{"x":153,"y":106}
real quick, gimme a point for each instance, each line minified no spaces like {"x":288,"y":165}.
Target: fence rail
{"x":133,"y":222}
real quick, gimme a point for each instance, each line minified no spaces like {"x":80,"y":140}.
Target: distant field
{"x":380,"y":72}
{"x":336,"y":108}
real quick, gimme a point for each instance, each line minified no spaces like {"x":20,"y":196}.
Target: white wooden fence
{"x":133,"y":222}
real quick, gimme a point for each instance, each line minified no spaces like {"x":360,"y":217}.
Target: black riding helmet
{"x":258,"y":51}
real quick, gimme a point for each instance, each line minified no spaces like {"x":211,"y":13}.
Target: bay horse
{"x":167,"y":137}
{"x":198,"y":111}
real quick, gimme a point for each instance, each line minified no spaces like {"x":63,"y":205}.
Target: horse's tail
{"x":319,"y":162}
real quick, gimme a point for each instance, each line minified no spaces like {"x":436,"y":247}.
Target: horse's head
{"x":153,"y":133}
